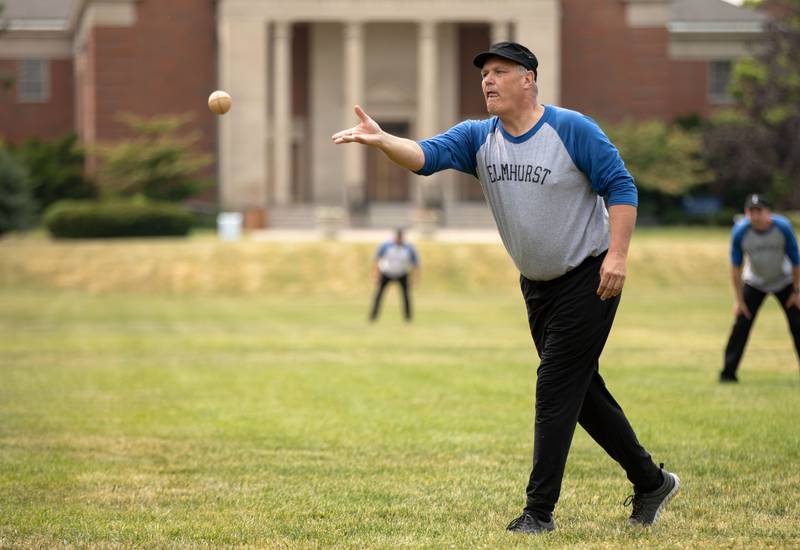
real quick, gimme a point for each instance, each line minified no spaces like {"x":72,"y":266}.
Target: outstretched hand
{"x":367,"y":131}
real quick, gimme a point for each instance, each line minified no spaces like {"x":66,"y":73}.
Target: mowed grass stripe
{"x":271,"y":416}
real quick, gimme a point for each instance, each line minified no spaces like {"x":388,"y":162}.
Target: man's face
{"x":759,"y":218}
{"x":504,"y":85}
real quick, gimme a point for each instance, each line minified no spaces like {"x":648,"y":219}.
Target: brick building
{"x":296,"y":68}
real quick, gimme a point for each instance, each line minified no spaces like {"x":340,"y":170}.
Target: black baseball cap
{"x":512,"y":51}
{"x":756,"y":201}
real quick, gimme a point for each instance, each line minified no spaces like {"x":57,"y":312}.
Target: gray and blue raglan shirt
{"x":771,"y":254}
{"x":545,"y":188}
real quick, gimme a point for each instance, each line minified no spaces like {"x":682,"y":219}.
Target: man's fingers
{"x":361,"y":114}
{"x":610,"y":286}
{"x":342,"y":137}
{"x":355,"y":129}
{"x":742,"y":310}
{"x":353,"y":135}
{"x":342,"y":133}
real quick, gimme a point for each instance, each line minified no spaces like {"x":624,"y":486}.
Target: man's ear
{"x":528,"y":80}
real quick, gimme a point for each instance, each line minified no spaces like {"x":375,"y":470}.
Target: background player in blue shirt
{"x":772,"y":267}
{"x":395,"y":261}
{"x":544,"y":171}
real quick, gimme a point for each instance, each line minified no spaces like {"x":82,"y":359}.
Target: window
{"x":34,"y":81}
{"x":719,"y":78}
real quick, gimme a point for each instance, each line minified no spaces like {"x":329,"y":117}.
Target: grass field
{"x":198,"y":394}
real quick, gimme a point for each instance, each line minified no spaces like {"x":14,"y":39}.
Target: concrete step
{"x":469,"y":215}
{"x":292,"y":217}
{"x":382,"y":216}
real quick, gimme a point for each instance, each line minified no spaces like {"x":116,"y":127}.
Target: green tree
{"x":158,"y":162}
{"x":757,"y":147}
{"x":56,"y":170}
{"x":16,"y":203}
{"x":663,"y":158}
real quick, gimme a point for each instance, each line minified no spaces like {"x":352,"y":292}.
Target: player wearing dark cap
{"x":773,"y":267}
{"x":545,"y":172}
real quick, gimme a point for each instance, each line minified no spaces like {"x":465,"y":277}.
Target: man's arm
{"x":376,"y":272}
{"x":414,"y":273}
{"x":794,"y":297}
{"x":793,"y":253}
{"x":622,"y":220}
{"x":739,"y":308}
{"x":403,"y":152}
{"x":413,"y":276}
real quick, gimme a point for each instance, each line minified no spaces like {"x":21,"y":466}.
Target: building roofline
{"x":43,"y":24}
{"x":77,"y":14}
{"x":716,"y":27}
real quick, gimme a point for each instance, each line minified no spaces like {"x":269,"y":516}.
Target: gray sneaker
{"x":647,"y":506}
{"x":528,"y":524}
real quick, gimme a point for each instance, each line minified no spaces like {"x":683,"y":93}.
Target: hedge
{"x":97,"y":220}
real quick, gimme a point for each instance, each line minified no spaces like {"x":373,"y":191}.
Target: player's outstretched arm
{"x":404,"y":152}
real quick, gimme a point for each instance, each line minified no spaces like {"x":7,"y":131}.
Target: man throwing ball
{"x":773,"y":267}
{"x":544,"y":171}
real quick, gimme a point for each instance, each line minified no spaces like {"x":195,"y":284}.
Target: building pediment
{"x":714,"y":29}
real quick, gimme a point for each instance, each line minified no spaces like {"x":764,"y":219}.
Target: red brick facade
{"x":47,"y":120}
{"x":613,"y":72}
{"x":164,"y":64}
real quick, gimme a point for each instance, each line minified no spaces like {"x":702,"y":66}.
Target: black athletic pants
{"x":753,"y":298}
{"x":570,"y":324}
{"x":376,"y":305}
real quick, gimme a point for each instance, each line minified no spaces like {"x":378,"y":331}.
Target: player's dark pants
{"x":376,"y":305}
{"x":753,"y":298}
{"x":570,"y":325}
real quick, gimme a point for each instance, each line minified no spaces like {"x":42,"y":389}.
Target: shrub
{"x":159,"y":162}
{"x":88,"y":220}
{"x":16,"y":204}
{"x":662,"y":158}
{"x":56,"y":170}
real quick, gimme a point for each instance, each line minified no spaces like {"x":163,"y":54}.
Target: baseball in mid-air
{"x":219,"y":102}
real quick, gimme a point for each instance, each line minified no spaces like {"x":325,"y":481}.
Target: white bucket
{"x":229,"y":226}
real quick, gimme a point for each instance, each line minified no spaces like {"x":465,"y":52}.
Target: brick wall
{"x":48,"y":120}
{"x":472,"y":38}
{"x":164,"y":64}
{"x":613,"y":72}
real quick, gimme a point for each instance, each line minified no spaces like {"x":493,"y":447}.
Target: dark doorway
{"x":387,"y":182}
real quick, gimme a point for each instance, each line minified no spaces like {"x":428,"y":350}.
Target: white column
{"x":427,"y":94}
{"x":501,"y":31}
{"x":354,"y":156}
{"x":282,"y":135}
{"x":448,"y":109}
{"x":540,"y":30}
{"x":327,"y":65}
{"x":242,"y":62}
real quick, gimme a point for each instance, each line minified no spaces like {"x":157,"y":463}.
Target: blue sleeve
{"x":791,"y":241}
{"x":382,"y":249}
{"x":595,"y":155}
{"x":413,"y":253}
{"x":739,"y":230}
{"x":456,"y":148}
